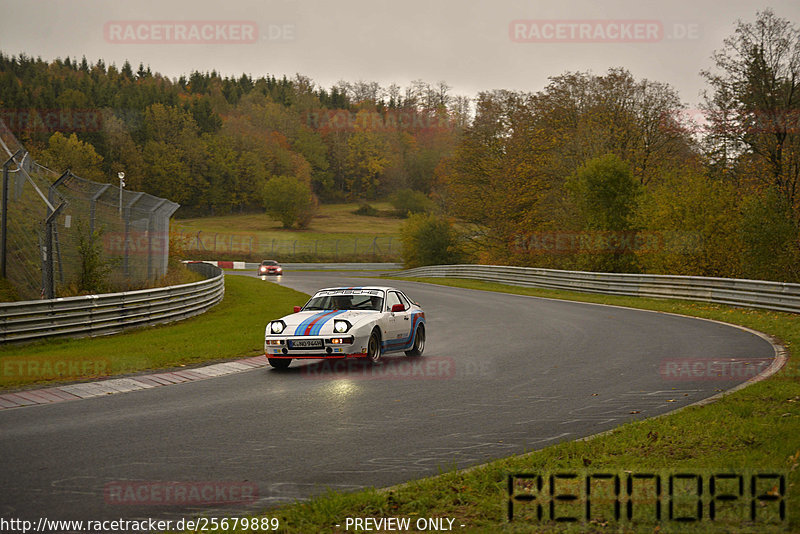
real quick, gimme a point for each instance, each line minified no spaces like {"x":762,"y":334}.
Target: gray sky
{"x":469,"y":44}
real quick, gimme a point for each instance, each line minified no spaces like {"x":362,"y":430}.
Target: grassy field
{"x":332,"y":221}
{"x":335,"y":232}
{"x":237,"y":323}
{"x":756,"y":429}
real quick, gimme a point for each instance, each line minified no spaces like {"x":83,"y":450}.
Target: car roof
{"x":380,"y":288}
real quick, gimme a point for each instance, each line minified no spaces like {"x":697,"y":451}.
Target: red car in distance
{"x":270,"y":267}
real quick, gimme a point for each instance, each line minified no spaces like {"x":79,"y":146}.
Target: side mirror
{"x":297,"y":309}
{"x":398,"y":308}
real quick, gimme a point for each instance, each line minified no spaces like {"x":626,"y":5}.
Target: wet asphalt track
{"x":501,"y":374}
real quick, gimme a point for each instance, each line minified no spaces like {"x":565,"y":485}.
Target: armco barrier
{"x":94,"y":315}
{"x":776,"y":296}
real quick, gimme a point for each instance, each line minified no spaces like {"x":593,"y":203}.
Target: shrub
{"x":428,"y":239}
{"x":94,"y":269}
{"x":771,"y":238}
{"x":366,"y":209}
{"x":408,"y":201}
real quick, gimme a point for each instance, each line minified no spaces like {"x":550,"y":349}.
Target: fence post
{"x":49,"y":287}
{"x":4,"y":223}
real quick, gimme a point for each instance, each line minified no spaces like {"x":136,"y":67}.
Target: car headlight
{"x":340,"y":327}
{"x":276,"y":327}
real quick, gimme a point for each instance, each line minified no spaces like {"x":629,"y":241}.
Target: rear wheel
{"x":374,"y":347}
{"x":279,"y":363}
{"x":419,"y":343}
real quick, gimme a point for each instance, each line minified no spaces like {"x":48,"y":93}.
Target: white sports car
{"x":347,"y":322}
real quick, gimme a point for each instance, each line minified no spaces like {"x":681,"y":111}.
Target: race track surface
{"x":501,"y":374}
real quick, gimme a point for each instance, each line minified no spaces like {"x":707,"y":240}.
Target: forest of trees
{"x":593,"y":172}
{"x":212,"y":143}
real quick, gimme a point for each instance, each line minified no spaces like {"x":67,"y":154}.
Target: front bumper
{"x":349,"y":346}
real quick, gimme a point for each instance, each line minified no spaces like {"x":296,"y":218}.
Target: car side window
{"x":393,"y":299}
{"x":404,"y":301}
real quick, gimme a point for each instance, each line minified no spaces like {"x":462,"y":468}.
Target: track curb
{"x":111,"y":386}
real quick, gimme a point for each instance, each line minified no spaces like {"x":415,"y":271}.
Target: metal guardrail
{"x":95,"y":315}
{"x":777,"y":296}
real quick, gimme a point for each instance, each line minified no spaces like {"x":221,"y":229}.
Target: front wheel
{"x":419,"y":343}
{"x":279,"y":363}
{"x":374,"y":347}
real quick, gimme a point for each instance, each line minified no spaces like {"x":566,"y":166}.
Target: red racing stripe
{"x":315,"y":321}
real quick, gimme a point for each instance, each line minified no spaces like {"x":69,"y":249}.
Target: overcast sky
{"x":471,"y":45}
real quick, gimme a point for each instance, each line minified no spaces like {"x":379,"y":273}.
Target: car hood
{"x":309,"y":323}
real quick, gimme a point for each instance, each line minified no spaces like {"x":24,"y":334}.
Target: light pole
{"x":121,"y":176}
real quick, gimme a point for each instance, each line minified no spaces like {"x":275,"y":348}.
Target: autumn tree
{"x":64,"y":153}
{"x":754,"y":102}
{"x":289,"y":200}
{"x":494,"y":180}
{"x":686,"y":226}
{"x":606,"y":195}
{"x":589,"y":116}
{"x":367,"y":158}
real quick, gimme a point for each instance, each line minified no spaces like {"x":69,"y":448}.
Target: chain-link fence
{"x":50,"y":224}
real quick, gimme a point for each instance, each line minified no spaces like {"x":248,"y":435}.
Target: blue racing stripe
{"x":301,"y":328}
{"x":405,"y":343}
{"x":315,"y":330}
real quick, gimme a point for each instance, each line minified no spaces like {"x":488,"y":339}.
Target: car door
{"x":399,"y":323}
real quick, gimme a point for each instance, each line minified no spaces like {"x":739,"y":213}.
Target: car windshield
{"x":365,"y":302}
{"x":269,"y":262}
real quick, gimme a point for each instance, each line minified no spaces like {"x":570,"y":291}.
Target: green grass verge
{"x":237,"y":324}
{"x":757,"y":428}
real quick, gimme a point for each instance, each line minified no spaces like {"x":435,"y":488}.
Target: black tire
{"x":419,"y":342}
{"x":374,"y":347}
{"x":279,"y":363}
